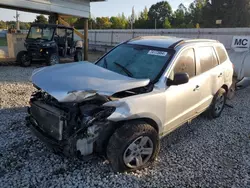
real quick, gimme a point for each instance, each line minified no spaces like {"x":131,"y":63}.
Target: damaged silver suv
{"x":134,"y":95}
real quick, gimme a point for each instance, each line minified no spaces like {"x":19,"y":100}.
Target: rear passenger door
{"x":210,"y":74}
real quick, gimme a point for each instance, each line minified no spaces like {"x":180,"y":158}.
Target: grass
{"x":3,"y":41}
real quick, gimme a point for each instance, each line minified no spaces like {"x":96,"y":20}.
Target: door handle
{"x":197,"y":88}
{"x":220,"y":75}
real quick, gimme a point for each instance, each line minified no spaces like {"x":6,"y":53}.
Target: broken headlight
{"x":105,"y":112}
{"x":98,"y":114}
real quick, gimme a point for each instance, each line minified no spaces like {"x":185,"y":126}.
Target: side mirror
{"x":179,"y":79}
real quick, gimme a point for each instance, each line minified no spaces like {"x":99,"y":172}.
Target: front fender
{"x":128,"y":111}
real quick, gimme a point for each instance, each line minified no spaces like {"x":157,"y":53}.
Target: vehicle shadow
{"x":13,"y":110}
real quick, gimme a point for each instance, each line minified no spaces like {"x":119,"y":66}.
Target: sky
{"x":109,"y":8}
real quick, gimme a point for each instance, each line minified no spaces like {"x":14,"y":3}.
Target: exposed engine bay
{"x":74,"y":128}
{"x":70,"y":110}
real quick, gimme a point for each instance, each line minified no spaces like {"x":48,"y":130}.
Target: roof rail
{"x":201,"y":40}
{"x":173,"y":46}
{"x":190,"y":40}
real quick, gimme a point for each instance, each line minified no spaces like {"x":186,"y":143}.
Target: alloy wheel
{"x":138,"y":152}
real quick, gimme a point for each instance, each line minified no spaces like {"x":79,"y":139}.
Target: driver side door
{"x":182,"y":101}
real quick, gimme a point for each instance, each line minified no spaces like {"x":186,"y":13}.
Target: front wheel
{"x":53,"y":59}
{"x":218,"y":104}
{"x":78,"y":55}
{"x":23,"y":59}
{"x":133,"y":146}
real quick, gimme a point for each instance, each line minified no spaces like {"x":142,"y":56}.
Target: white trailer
{"x":240,"y":56}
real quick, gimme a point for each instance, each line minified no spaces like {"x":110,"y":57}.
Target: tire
{"x":119,"y":150}
{"x":78,"y":55}
{"x":218,"y":104}
{"x":232,"y":89}
{"x":23,"y":59}
{"x":53,"y":59}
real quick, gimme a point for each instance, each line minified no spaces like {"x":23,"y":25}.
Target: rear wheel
{"x":218,"y":104}
{"x":133,"y":146}
{"x":23,"y":59}
{"x":232,"y":89}
{"x":53,"y":59}
{"x":78,"y":55}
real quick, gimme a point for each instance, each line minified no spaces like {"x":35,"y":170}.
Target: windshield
{"x":136,"y":61}
{"x":41,"y":33}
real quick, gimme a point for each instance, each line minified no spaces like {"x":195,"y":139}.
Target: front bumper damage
{"x":34,"y":127}
{"x":51,"y":126}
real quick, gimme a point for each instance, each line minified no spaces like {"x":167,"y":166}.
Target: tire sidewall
{"x":213,"y":113}
{"x":76,"y":56}
{"x":124,"y":142}
{"x":49,"y":60}
{"x":20,"y":56}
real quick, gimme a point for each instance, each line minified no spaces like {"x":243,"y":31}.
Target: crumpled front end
{"x":74,"y":82}
{"x":68,"y":109}
{"x":70,"y":128}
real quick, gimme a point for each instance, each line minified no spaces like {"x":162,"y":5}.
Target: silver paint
{"x":75,"y":82}
{"x":168,"y":107}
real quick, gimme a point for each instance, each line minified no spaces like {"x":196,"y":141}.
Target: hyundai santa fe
{"x":137,"y":93}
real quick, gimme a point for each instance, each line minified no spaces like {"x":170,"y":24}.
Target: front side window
{"x":186,"y":63}
{"x":208,"y":60}
{"x":136,"y":61}
{"x":44,"y":33}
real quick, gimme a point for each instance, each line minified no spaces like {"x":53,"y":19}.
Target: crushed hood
{"x":76,"y":81}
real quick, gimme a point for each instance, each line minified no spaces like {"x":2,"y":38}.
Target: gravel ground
{"x":207,"y":153}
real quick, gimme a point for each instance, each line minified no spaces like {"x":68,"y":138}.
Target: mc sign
{"x":242,"y":42}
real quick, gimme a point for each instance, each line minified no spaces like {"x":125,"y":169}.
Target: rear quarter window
{"x":221,"y":53}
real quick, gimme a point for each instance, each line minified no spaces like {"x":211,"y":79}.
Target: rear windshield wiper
{"x":124,"y":69}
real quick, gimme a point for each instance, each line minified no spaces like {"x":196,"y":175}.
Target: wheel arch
{"x":103,"y":142}
{"x":225,"y":87}
{"x":149,"y":121}
{"x":123,"y":137}
{"x":79,"y":48}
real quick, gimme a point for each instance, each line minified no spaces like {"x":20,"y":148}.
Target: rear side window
{"x":221,"y":53}
{"x":186,"y":63}
{"x":208,"y":59}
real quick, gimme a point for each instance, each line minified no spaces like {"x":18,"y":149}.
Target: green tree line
{"x":200,"y":13}
{"x":23,"y":25}
{"x":12,"y":24}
